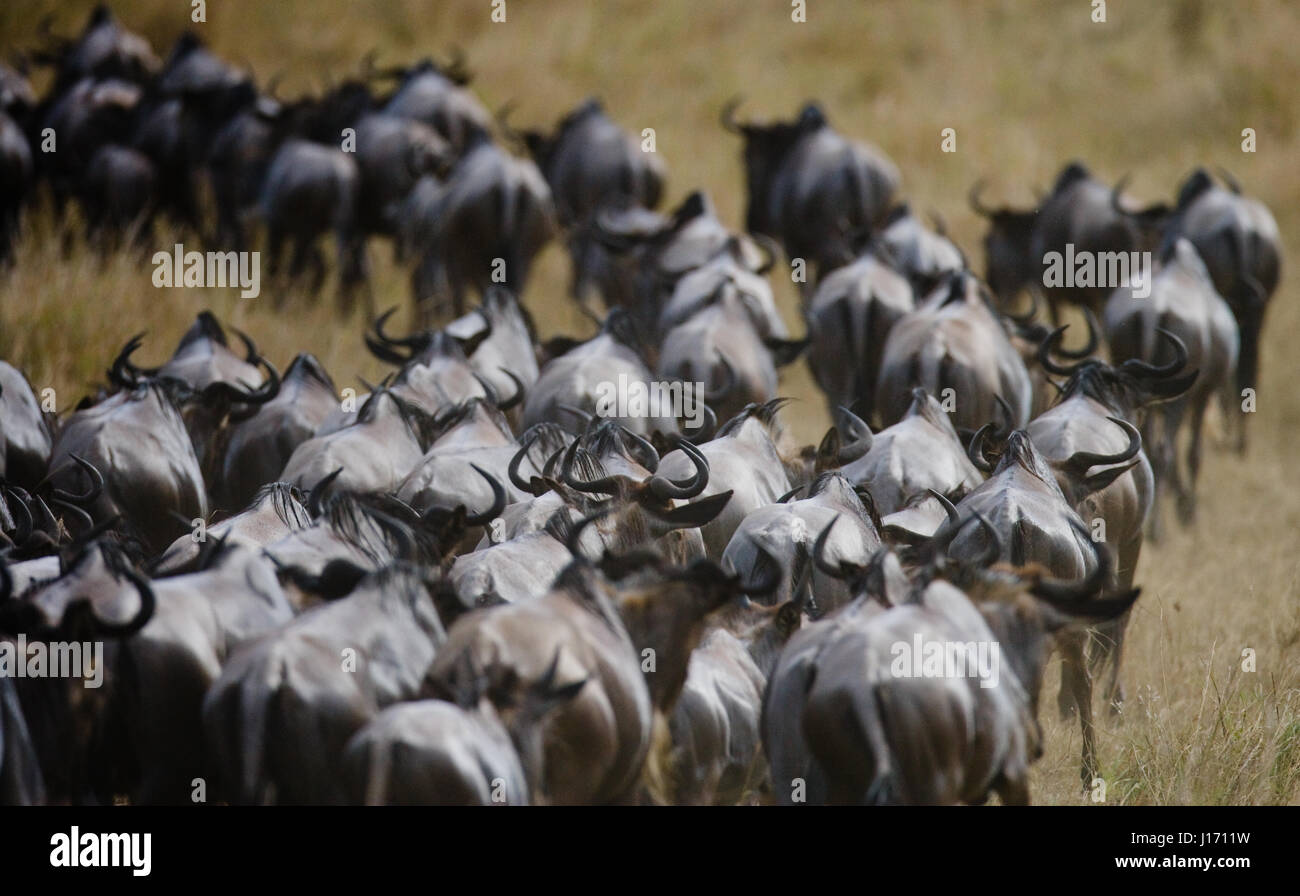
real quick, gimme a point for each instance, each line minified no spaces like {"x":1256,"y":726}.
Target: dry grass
{"x":1159,"y":88}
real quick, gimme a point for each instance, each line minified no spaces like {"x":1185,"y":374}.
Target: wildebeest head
{"x":1121,"y":388}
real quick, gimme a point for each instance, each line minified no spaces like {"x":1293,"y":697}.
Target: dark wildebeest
{"x":484,"y":225}
{"x":810,"y":187}
{"x":592,"y":164}
{"x":25,"y":432}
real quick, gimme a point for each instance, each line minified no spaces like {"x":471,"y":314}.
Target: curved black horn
{"x":317,"y":493}
{"x":91,"y":494}
{"x":948,"y":507}
{"x":1094,"y":339}
{"x":505,"y":404}
{"x":498,"y":499}
{"x":1164,"y":371}
{"x":1068,"y":594}
{"x":976,"y":203}
{"x":1081,"y":461}
{"x":667,"y":489}
{"x":975,"y":450}
{"x":1117,"y":193}
{"x":859,"y":436}
{"x":607,"y":485}
{"x":141,"y":618}
{"x":1045,"y":349}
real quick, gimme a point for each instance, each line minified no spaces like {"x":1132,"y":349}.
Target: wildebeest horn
{"x":505,"y":404}
{"x":250,"y":347}
{"x":607,"y":485}
{"x":1151,"y":371}
{"x":728,"y":115}
{"x":1081,"y":461}
{"x":537,"y":487}
{"x":790,"y":494}
{"x":1047,"y":346}
{"x":122,"y":372}
{"x":141,"y":618}
{"x":1228,"y":179}
{"x":575,"y":532}
{"x":1094,"y":329}
{"x":248,"y":395}
{"x":641,"y":450}
{"x":859,"y":435}
{"x":705,"y":431}
{"x":96,"y":483}
{"x":994,"y":550}
{"x":1117,"y":193}
{"x":975,"y":450}
{"x":770,"y":581}
{"x":844,"y":570}
{"x":1024,"y":320}
{"x":948,"y":507}
{"x":317,"y":493}
{"x":1008,"y":418}
{"x":469,"y":344}
{"x":976,"y":204}
{"x":666,"y":489}
{"x":498,"y":499}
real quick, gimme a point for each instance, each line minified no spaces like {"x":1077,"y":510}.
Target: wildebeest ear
{"x":660,"y":443}
{"x":1092,"y":612}
{"x":689,"y":516}
{"x":1098,"y":481}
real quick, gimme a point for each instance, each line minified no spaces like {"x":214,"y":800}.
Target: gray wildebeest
{"x":1184,"y":303}
{"x":956,"y":346}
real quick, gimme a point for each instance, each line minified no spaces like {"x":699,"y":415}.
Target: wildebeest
{"x":278,"y":717}
{"x":480,"y":747}
{"x":1094,"y":392}
{"x":787,"y":530}
{"x":848,"y":720}
{"x":25,"y":433}
{"x":810,"y":187}
{"x":1183,"y":302}
{"x":1033,"y":520}
{"x":849,"y":318}
{"x":1237,"y":239}
{"x":920,"y":452}
{"x":482,"y":226}
{"x":591,"y":165}
{"x":955,"y":345}
{"x":600,"y":624}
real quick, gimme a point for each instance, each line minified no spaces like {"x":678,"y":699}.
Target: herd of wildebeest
{"x":469,"y":584}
